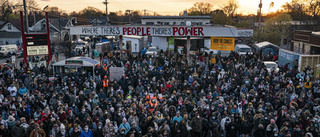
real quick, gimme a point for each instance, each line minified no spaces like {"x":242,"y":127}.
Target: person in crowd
{"x":86,"y":132}
{"x":108,"y":130}
{"x":37,"y":132}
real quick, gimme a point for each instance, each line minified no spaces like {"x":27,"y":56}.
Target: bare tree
{"x":314,"y":9}
{"x":32,"y":6}
{"x":5,"y":9}
{"x":231,"y":7}
{"x":200,"y":8}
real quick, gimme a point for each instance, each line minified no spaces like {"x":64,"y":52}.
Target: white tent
{"x":77,"y":62}
{"x":83,"y":61}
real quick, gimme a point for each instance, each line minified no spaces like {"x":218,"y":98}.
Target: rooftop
{"x":175,"y":17}
{"x":10,"y":34}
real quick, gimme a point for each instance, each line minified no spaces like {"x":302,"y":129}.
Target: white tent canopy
{"x":82,"y":61}
{"x":265,"y":43}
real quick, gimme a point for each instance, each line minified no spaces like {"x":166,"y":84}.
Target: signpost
{"x":37,"y":50}
{"x":35,"y":44}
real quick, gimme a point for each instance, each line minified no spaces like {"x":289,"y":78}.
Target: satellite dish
{"x":188,"y":23}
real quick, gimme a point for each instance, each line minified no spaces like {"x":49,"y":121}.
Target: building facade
{"x":175,"y":20}
{"x":10,"y":33}
{"x":305,"y":42}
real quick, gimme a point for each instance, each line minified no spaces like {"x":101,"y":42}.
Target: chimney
{"x":185,"y":13}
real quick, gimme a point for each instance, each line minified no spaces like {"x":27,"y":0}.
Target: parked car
{"x":81,"y":45}
{"x":154,"y":51}
{"x":271,"y":66}
{"x":224,"y":53}
{"x":214,"y":52}
{"x":8,"y":50}
{"x":242,"y":49}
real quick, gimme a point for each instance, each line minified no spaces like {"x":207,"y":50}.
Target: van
{"x":7,"y":50}
{"x":242,"y":49}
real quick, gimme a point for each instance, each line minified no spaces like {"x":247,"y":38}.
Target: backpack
{"x":206,"y":124}
{"x":11,"y":124}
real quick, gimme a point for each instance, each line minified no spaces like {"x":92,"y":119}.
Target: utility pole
{"x":259,"y":25}
{"x":106,"y":3}
{"x":59,"y":28}
{"x":34,"y":19}
{"x":260,"y":6}
{"x":129,"y":16}
{"x":25,"y":16}
{"x":144,"y":12}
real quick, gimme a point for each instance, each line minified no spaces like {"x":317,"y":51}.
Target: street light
{"x":45,"y":7}
{"x":75,"y":20}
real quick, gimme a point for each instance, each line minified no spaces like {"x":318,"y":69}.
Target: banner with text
{"x":222,"y":43}
{"x":116,"y":73}
{"x":37,"y":50}
{"x":286,"y":56}
{"x":245,"y":32}
{"x":154,"y":31}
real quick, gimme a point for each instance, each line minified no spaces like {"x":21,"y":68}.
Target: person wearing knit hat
{"x":11,"y":122}
{"x":125,"y":125}
{"x":11,"y":118}
{"x":108,"y":129}
{"x":272,"y":127}
{"x":107,"y":121}
{"x":177,"y":117}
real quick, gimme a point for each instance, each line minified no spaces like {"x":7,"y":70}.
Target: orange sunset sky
{"x":162,"y":7}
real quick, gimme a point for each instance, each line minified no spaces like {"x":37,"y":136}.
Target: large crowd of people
{"x":169,"y":95}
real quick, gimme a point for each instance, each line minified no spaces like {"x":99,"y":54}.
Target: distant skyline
{"x":162,"y":7}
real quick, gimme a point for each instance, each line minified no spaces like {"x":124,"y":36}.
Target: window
{"x":9,"y":27}
{"x":182,"y":23}
{"x":149,"y":23}
{"x":43,"y":26}
{"x":285,"y":42}
{"x":165,"y":23}
{"x":173,"y":23}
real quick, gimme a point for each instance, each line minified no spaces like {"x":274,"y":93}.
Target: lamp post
{"x":188,"y":24}
{"x":45,"y":8}
{"x":75,"y":21}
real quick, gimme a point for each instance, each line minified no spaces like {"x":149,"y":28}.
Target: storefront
{"x":306,"y":42}
{"x":82,"y":65}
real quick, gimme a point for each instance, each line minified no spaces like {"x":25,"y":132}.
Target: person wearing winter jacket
{"x":37,"y":132}
{"x":86,"y":132}
{"x":62,"y":115}
{"x":108,"y":130}
{"x":125,"y":125}
{"x":231,"y":129}
{"x":98,"y":131}
{"x":76,"y":132}
{"x":245,"y":128}
{"x":260,"y":132}
{"x":197,"y":125}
